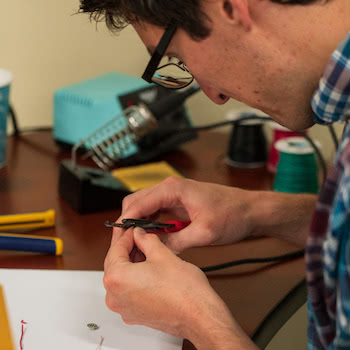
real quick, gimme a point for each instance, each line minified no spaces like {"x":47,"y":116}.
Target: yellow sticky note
{"x":146,"y":175}
{"x":5,"y":333}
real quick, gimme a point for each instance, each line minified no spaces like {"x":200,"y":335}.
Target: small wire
{"x":14,"y":120}
{"x":216,"y":125}
{"x":100,"y":345}
{"x":279,"y":258}
{"x":334,"y":136}
{"x":318,"y":154}
{"x":33,"y":129}
{"x":17,"y":131}
{"x":22,"y":335}
{"x":253,"y":117}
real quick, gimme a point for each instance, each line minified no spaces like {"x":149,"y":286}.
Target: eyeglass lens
{"x":172,"y":74}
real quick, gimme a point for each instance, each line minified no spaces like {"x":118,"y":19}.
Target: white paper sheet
{"x":58,"y":305}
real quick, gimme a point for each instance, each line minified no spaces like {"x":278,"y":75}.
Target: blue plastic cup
{"x":5,"y":82}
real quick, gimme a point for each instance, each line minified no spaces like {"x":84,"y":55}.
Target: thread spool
{"x":297,"y":170}
{"x":279,"y":132}
{"x":247,"y":145}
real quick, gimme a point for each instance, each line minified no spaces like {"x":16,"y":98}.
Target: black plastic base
{"x":89,"y":190}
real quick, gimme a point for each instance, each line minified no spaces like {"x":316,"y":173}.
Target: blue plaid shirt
{"x":327,"y":252}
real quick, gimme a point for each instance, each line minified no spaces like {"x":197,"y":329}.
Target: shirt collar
{"x":331,"y":101}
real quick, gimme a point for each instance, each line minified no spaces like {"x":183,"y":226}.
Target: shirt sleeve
{"x":337,"y":264}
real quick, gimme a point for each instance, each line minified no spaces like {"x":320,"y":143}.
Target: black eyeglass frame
{"x":158,"y":54}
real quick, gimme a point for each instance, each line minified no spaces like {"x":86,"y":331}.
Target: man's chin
{"x":295,"y":121}
{"x":297,"y":125}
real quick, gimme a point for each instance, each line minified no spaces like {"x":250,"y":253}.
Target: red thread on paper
{"x":22,"y":334}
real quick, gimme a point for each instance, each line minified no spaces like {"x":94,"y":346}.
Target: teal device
{"x":81,"y":108}
{"x":97,"y":104}
{"x":117,"y":120}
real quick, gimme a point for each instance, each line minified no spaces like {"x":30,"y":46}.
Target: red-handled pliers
{"x":153,"y":226}
{"x":178,"y":225}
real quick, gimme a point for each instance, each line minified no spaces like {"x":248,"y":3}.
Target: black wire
{"x":278,"y":258}
{"x":14,"y":120}
{"x":35,"y":129}
{"x":334,"y":136}
{"x":318,"y":153}
{"x":215,"y":125}
{"x":17,"y":131}
{"x":253,"y":117}
{"x":284,"y":257}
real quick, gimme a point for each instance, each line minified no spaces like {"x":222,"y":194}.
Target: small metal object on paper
{"x":93,"y":326}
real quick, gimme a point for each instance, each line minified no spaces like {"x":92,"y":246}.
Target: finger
{"x":135,"y":198}
{"x":121,"y":246}
{"x":166,"y":195}
{"x":187,"y":238}
{"x":117,"y":234}
{"x":150,"y":245}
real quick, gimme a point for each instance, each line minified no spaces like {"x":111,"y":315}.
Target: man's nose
{"x":214,"y":95}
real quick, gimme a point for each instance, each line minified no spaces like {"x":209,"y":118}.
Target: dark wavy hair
{"x":119,"y":13}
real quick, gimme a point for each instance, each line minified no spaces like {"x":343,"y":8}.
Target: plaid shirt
{"x":327,"y":252}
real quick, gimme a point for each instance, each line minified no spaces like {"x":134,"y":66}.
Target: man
{"x":269,"y":54}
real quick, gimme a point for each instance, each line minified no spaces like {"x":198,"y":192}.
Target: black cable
{"x":14,"y":120}
{"x":216,"y":125}
{"x":35,"y":129}
{"x":318,"y":153}
{"x":253,"y":117}
{"x":278,"y":258}
{"x":17,"y":131}
{"x":334,"y":136}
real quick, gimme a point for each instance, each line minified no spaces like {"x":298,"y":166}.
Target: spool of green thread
{"x":297,"y":170}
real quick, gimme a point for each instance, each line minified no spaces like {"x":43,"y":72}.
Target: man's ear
{"x":237,"y":11}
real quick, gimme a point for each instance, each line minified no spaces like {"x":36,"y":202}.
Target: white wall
{"x":47,"y":46}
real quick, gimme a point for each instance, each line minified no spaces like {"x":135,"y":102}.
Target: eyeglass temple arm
{"x":158,"y":54}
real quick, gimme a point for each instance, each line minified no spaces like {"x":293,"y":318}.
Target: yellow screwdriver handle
{"x":27,"y":221}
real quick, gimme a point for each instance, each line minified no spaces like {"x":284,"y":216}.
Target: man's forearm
{"x":283,"y":215}
{"x":212,"y":327}
{"x":225,"y":340}
{"x":225,"y":337}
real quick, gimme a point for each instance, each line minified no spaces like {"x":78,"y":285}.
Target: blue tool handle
{"x":35,"y":244}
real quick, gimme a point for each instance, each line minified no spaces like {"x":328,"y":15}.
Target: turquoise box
{"x":82,"y":108}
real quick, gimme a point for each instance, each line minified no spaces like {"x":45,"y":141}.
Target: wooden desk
{"x":29,"y":183}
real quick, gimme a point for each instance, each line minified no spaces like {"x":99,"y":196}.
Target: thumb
{"x":150,"y":244}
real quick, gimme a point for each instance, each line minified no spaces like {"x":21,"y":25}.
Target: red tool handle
{"x":179,"y":225}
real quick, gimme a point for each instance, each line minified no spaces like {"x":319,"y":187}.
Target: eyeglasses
{"x":168,"y":72}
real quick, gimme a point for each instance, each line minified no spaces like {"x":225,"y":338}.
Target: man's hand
{"x":166,"y":293}
{"x":221,"y":214}
{"x":218,"y":214}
